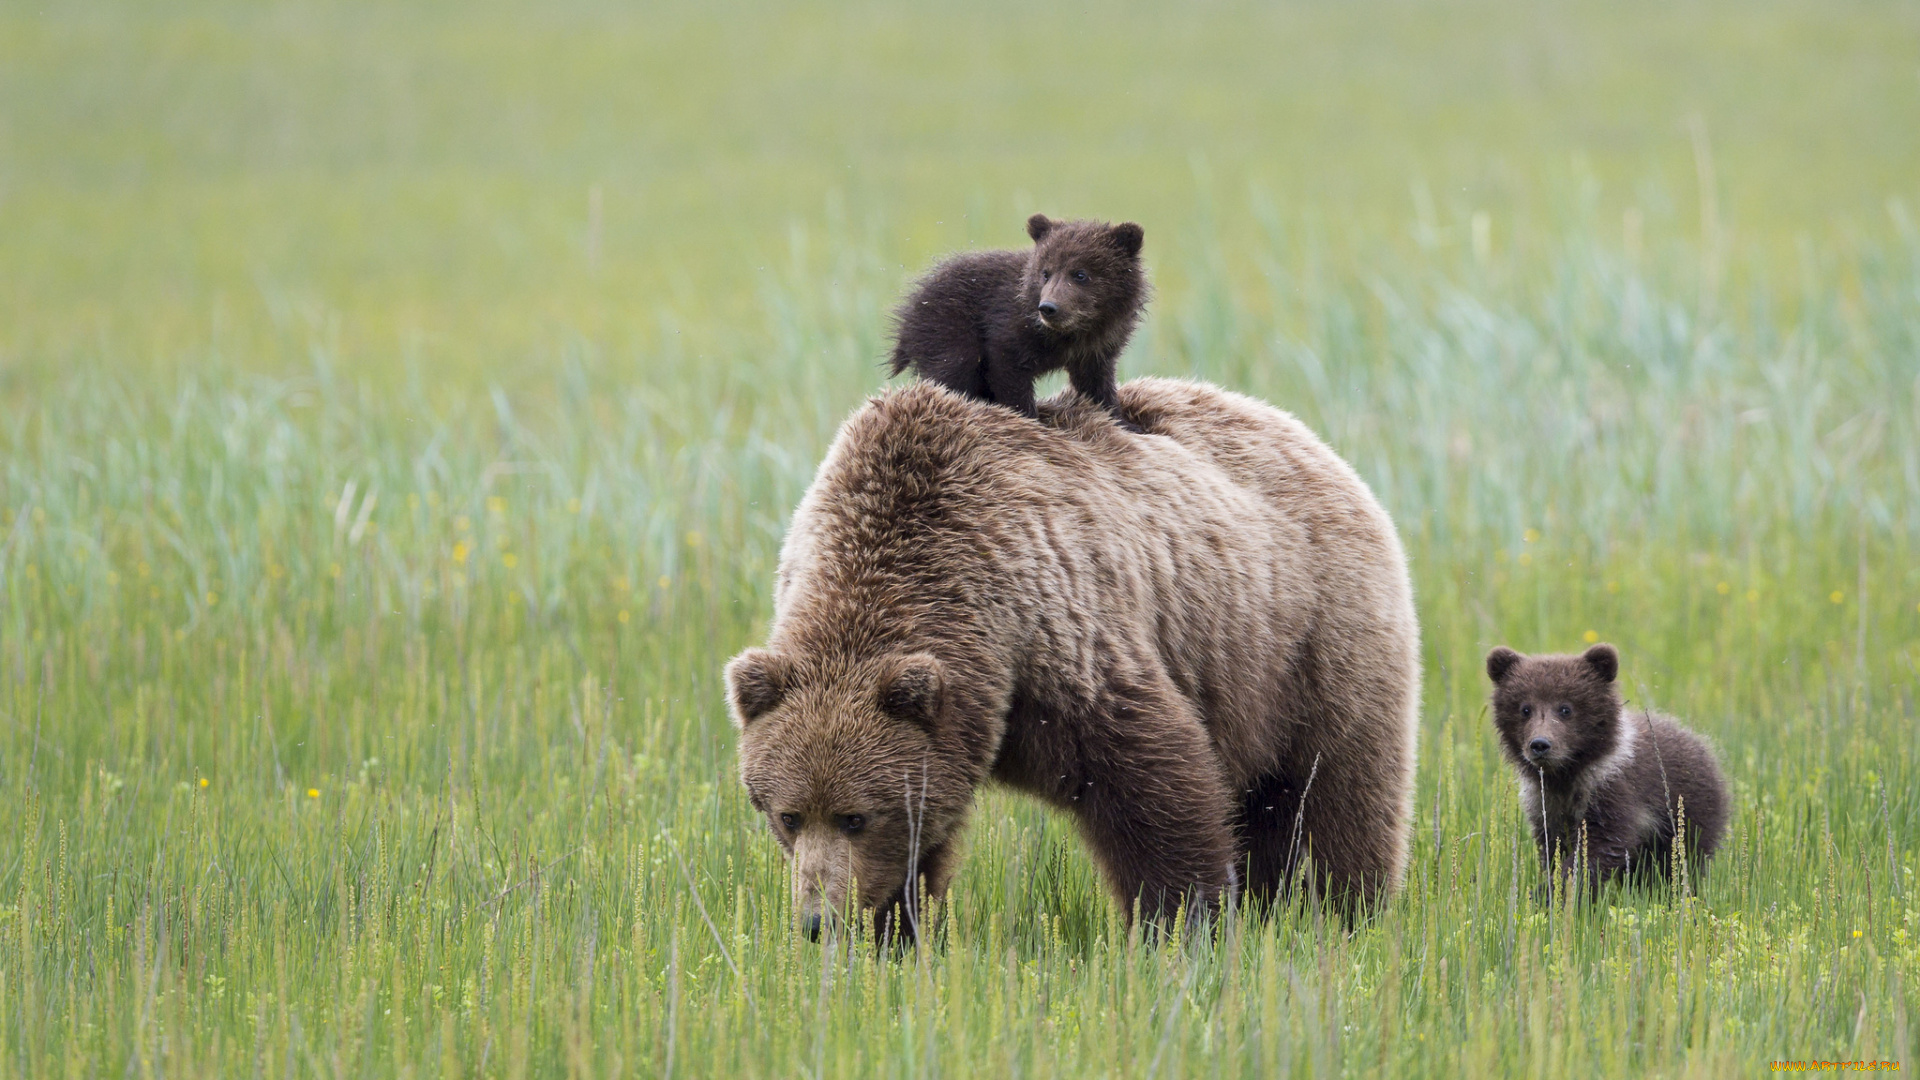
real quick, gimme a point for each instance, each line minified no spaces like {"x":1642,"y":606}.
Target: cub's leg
{"x":1096,"y":382}
{"x":1008,"y":385}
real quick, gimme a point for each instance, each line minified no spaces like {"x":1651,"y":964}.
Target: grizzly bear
{"x":1202,"y":646}
{"x":1602,"y":786}
{"x":989,"y":323}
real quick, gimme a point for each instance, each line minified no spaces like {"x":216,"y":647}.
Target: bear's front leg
{"x":902,"y":920}
{"x":1153,"y":805}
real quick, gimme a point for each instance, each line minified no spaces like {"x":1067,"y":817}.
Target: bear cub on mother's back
{"x":989,"y":323}
{"x":1593,"y":774}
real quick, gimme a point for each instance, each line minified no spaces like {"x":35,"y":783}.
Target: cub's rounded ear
{"x":1604,"y":660}
{"x":1128,"y":237}
{"x":1038,"y":226}
{"x":756,"y":681}
{"x":912,"y":690}
{"x":1500,"y":662}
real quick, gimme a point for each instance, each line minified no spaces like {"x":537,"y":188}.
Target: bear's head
{"x":1556,"y":714}
{"x":1083,"y":276}
{"x":843,"y":759}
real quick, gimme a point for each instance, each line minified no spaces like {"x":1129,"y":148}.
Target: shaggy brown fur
{"x":989,"y":323}
{"x":1169,"y":638}
{"x":1602,"y":785}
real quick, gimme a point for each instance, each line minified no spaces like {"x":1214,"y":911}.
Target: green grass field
{"x":400,"y":408}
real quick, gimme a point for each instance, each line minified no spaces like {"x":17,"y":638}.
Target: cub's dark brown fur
{"x":989,"y":323}
{"x":1203,"y":647}
{"x":1597,"y":777}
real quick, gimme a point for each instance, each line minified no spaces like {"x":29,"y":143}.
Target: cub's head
{"x":843,"y":760}
{"x":1083,"y":275}
{"x":1556,"y":714}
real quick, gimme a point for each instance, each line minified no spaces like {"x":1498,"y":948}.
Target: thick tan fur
{"x":1169,"y":636}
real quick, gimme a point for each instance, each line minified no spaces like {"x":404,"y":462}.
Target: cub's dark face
{"x":1082,"y":274}
{"x":1556,"y":714}
{"x":842,"y":763}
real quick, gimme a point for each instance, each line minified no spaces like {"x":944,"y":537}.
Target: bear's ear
{"x":1128,"y":237}
{"x":756,"y":681}
{"x":1038,"y":226}
{"x":1500,"y":662}
{"x":1604,"y":660}
{"x":912,"y":690}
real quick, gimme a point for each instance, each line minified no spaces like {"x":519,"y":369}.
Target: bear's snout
{"x":822,"y":875}
{"x":1060,"y":307}
{"x":1542,"y":750}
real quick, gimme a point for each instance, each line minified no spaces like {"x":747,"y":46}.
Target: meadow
{"x":401,"y":405}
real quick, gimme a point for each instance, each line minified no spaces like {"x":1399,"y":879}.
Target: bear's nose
{"x":812,"y":927}
{"x":1539,"y":746}
{"x":1049,"y":308}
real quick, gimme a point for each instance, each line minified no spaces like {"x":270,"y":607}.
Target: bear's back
{"x":1238,"y":515}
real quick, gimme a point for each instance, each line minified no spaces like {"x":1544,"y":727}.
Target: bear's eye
{"x":1080,"y":276}
{"x":790,"y":822}
{"x":852,"y":823}
{"x":1526,"y":711}
{"x":1046,"y":275}
{"x":1566,"y":712}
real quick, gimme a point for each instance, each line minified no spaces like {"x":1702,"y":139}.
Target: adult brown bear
{"x":1172,"y":637}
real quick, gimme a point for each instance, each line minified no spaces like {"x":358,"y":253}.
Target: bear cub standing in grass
{"x":989,"y":323}
{"x":1593,"y":773}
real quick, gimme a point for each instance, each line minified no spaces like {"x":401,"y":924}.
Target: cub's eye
{"x":1046,"y":275}
{"x":789,"y":822}
{"x":1080,"y":276}
{"x":852,"y":823}
{"x":1566,"y":712}
{"x":1526,"y":710}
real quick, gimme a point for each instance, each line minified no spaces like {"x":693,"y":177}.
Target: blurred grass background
{"x":419,"y":177}
{"x":400,"y":407}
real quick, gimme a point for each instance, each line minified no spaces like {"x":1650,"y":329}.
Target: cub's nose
{"x":1049,"y":308}
{"x":812,"y":926}
{"x":1539,"y":746}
